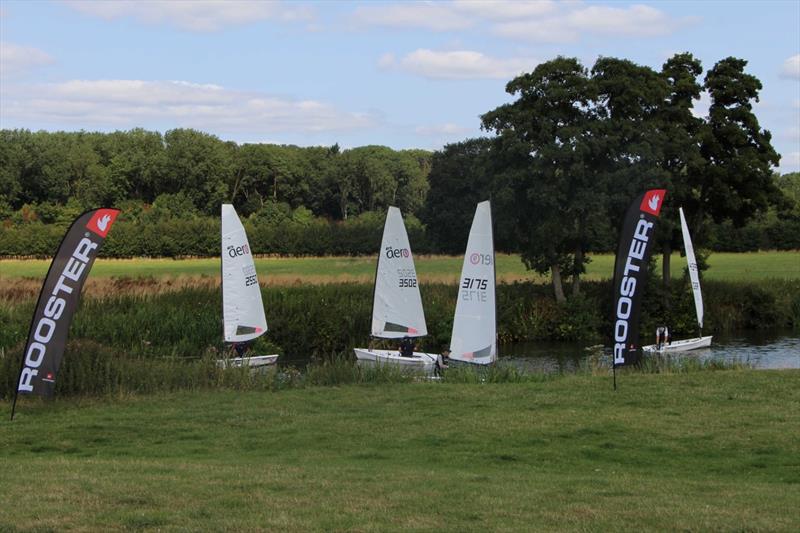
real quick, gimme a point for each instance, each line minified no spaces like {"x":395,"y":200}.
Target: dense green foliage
{"x":575,"y":146}
{"x":689,"y":451}
{"x":50,"y":171}
{"x":153,"y":234}
{"x":113,"y":334}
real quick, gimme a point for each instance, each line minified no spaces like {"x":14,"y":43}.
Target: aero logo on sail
{"x":394,"y":253}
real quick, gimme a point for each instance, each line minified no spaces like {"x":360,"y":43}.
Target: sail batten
{"x":396,"y":305}
{"x":242,"y":307}
{"x":694,"y":275}
{"x":474,"y":336}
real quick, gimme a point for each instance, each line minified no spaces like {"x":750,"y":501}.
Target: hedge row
{"x":201,"y":237}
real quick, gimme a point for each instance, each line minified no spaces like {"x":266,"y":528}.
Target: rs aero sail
{"x":242,"y":308}
{"x":396,"y":304}
{"x":474,"y":337}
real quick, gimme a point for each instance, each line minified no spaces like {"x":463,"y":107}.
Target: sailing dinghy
{"x":697,"y":342}
{"x":474,"y":337}
{"x":242,"y":309}
{"x":396,"y":303}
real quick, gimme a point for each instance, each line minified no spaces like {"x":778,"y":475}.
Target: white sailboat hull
{"x":252,"y":362}
{"x":421,"y":361}
{"x":680,"y":346}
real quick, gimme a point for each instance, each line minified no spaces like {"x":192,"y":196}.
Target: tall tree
{"x":680,"y":154}
{"x":459,"y":178}
{"x":739,"y":158}
{"x":543,"y":137}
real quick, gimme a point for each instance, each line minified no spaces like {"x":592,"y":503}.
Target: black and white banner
{"x":630,"y":273}
{"x":59,"y":299}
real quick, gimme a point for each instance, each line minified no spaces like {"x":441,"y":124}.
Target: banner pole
{"x":614,"y":371}
{"x":14,"y":406}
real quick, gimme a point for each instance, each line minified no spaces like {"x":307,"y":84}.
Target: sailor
{"x":407,"y":347}
{"x":241,"y":348}
{"x":442,"y":361}
{"x":662,"y":337}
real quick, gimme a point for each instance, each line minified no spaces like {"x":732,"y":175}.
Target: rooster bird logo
{"x":102,"y":222}
{"x":653,"y":203}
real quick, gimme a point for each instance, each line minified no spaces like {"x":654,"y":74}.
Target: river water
{"x":758,"y":349}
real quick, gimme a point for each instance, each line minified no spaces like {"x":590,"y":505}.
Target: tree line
{"x":560,"y":163}
{"x":47,"y":171}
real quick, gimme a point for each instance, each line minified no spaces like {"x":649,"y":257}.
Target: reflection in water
{"x":773,"y":349}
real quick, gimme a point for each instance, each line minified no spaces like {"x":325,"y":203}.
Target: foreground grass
{"x":698,"y":451}
{"x":281,"y":270}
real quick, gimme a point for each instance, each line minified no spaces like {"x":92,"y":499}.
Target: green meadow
{"x":703,"y":450}
{"x":723,"y":266}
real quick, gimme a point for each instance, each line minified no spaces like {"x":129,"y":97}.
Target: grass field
{"x":724,"y":266}
{"x":700,"y":451}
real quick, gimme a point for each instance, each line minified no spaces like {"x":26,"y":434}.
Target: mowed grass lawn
{"x":724,"y":266}
{"x":709,"y":450}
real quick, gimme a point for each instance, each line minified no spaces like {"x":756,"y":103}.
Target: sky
{"x":399,"y":74}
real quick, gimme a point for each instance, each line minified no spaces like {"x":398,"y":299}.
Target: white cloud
{"x":505,"y":9}
{"x":440,"y":130}
{"x":193,"y":15}
{"x":136,"y":103}
{"x":538,"y":30}
{"x":15,"y":59}
{"x":429,"y":15}
{"x":460,"y":64}
{"x":578,"y":21}
{"x":539,"y":21}
{"x":791,"y":68}
{"x":636,"y":20}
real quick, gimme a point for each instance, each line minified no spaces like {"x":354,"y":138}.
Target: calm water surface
{"x":759,"y":349}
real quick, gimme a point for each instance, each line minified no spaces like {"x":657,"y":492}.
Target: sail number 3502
{"x":408,"y":282}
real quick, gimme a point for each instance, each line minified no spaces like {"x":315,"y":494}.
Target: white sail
{"x":396,"y":306}
{"x":693,"y":273}
{"x":242,"y":308}
{"x":474,"y":337}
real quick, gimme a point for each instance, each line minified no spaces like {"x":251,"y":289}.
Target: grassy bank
{"x":698,"y":451}
{"x":283,"y":270}
{"x":125,"y":332}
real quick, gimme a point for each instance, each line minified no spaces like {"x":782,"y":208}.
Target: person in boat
{"x":241,"y":348}
{"x":407,"y":347}
{"x":662,"y":337}
{"x":442,"y":361}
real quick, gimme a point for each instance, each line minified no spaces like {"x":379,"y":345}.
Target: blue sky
{"x":400,"y":74}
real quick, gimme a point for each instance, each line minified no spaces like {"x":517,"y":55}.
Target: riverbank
{"x":128,"y":331}
{"x":691,"y":451}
